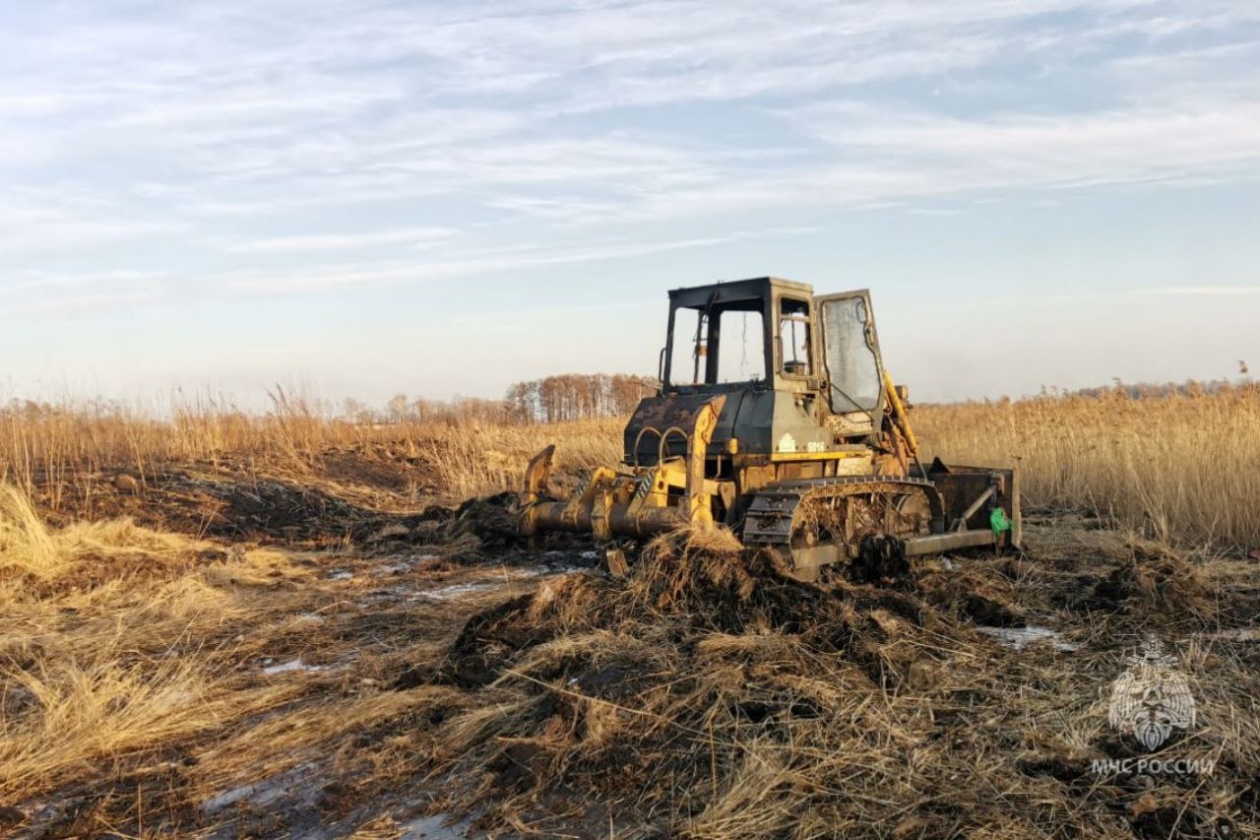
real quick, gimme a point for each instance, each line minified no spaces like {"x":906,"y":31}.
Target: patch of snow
{"x":341,"y":574}
{"x":542,"y":571}
{"x":1239,"y":634}
{"x":532,"y":571}
{"x":1021,"y":637}
{"x":446,"y":593}
{"x":257,"y":793}
{"x":230,"y":797}
{"x":434,"y":828}
{"x":393,"y":593}
{"x":291,"y":665}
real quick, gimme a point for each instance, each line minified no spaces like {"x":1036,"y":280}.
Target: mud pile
{"x":711,"y":695}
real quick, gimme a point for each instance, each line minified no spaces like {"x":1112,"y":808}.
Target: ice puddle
{"x":1021,"y":637}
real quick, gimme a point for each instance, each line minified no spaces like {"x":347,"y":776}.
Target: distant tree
{"x":398,"y":408}
{"x":356,"y":411}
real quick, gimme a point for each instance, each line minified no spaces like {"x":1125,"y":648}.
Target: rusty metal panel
{"x":960,"y":486}
{"x":938,"y":543}
{"x":756,"y":288}
{"x":662,"y":424}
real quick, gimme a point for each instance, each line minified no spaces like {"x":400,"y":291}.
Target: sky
{"x":366,"y":197}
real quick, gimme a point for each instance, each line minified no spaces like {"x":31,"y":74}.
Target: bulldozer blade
{"x":537,"y":474}
{"x":614,"y":563}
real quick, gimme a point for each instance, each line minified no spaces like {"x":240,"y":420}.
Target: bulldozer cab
{"x":718,"y":338}
{"x":772,"y":334}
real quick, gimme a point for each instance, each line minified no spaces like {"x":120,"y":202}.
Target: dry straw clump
{"x":25,"y":544}
{"x":98,"y":644}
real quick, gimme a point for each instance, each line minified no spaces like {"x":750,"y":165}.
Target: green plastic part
{"x":998,"y":522}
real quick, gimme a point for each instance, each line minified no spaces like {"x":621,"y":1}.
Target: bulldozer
{"x":775,"y":418}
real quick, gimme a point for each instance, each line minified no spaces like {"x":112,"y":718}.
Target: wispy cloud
{"x":1123,"y":145}
{"x":411,"y":139}
{"x":456,"y":264}
{"x":409,"y":237}
{"x":1191,"y":291}
{"x":73,"y":294}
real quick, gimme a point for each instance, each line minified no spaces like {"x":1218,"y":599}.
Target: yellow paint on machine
{"x":818,"y":456}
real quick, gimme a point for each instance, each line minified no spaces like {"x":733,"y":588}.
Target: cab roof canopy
{"x":737,"y":294}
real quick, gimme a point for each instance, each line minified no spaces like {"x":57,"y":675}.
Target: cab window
{"x":851,"y":357}
{"x":721,"y":346}
{"x":794,"y":343}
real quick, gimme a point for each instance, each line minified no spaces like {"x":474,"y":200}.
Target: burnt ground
{"x":337,"y":497}
{"x":444,"y":682}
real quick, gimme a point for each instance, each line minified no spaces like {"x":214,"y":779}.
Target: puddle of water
{"x":341,"y":574}
{"x":433,"y":828}
{"x":541,"y":571}
{"x":1021,"y":637}
{"x":1240,"y":634}
{"x":290,"y":666}
{"x":257,"y":793}
{"x":446,"y":593}
{"x":408,"y":591}
{"x":394,"y":593}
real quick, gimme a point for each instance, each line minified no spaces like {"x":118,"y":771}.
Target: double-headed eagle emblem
{"x":1151,"y":698}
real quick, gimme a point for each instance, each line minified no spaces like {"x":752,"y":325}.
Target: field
{"x":223,"y":625}
{"x":1180,"y":465}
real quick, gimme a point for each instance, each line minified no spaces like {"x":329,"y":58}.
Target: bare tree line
{"x":578,"y":396}
{"x":552,"y":399}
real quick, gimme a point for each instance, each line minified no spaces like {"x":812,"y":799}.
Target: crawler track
{"x":817,"y":522}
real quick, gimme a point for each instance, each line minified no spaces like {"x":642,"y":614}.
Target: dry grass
{"x":1181,"y":467}
{"x":705,"y":696}
{"x":94,"y":645}
{"x":56,"y":452}
{"x":133,"y":678}
{"x":479,"y":459}
{"x":25,"y":543}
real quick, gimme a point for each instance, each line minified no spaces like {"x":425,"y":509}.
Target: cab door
{"x":854,"y":369}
